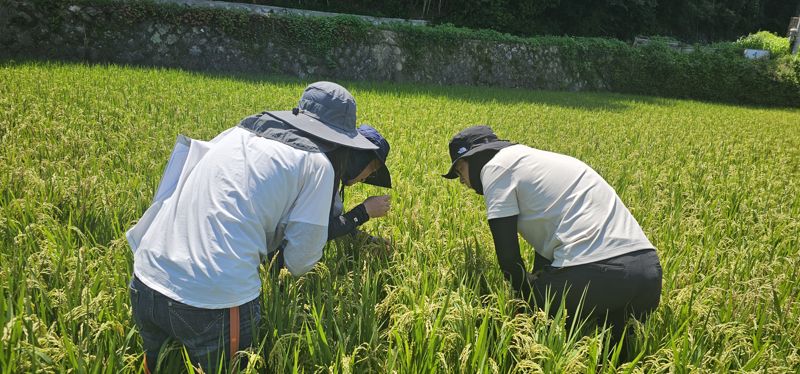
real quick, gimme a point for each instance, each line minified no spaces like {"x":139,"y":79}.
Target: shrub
{"x":776,"y":45}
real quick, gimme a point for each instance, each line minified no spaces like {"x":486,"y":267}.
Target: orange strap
{"x":234,"y":330}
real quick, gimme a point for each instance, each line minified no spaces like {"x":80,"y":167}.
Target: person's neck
{"x":476,"y":163}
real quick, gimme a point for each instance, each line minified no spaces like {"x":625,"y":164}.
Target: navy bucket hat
{"x":380,"y":177}
{"x":327,"y":111}
{"x":471,"y":141}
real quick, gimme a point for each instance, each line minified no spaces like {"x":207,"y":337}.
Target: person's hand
{"x":377,"y":206}
{"x":376,"y":245}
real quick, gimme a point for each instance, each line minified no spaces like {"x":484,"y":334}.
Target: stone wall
{"x":79,"y":32}
{"x":214,"y":38}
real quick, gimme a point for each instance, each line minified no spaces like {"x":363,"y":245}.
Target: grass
{"x":715,"y":187}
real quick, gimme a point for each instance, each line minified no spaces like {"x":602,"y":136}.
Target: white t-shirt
{"x":221,"y":206}
{"x":567,"y":212}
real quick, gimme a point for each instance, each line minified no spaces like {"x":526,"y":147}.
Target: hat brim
{"x":322,"y":130}
{"x":380,"y":178}
{"x":495,"y":145}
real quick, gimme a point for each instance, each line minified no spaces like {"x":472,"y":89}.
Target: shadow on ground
{"x":589,"y":101}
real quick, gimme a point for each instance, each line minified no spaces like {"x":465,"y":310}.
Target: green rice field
{"x":715,"y":187}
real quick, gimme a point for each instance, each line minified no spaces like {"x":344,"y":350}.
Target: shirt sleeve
{"x":307,"y":229}
{"x":506,"y":246}
{"x":499,"y":192}
{"x":347,"y":223}
{"x":304,"y":243}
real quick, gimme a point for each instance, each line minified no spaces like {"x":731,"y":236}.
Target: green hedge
{"x":776,"y":45}
{"x":716,"y":72}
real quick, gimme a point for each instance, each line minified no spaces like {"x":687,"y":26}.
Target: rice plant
{"x":715,"y":187}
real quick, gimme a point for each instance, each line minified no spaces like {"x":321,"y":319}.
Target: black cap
{"x":471,"y":141}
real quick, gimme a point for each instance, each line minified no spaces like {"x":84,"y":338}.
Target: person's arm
{"x":304,"y":243}
{"x":506,"y":246}
{"x":372,"y":207}
{"x":348,"y":222}
{"x":307,"y":228}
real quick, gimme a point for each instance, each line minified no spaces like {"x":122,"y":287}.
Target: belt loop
{"x":234,"y":330}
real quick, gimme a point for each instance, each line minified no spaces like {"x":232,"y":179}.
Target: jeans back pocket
{"x":188,"y":322}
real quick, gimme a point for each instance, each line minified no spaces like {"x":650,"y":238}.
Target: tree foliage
{"x":691,"y":20}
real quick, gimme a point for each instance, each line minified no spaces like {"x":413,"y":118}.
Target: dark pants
{"x":204,"y":332}
{"x":615,"y":288}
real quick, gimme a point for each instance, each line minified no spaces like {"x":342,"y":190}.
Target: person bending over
{"x":584,"y":237}
{"x":221,"y":208}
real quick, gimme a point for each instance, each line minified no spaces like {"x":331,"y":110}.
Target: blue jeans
{"x":204,"y":332}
